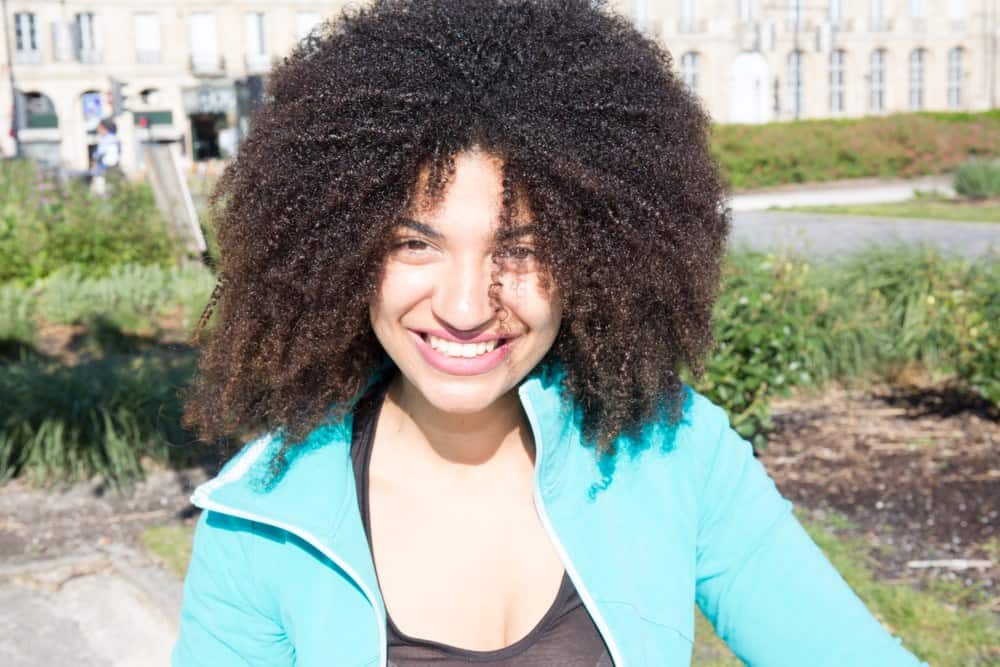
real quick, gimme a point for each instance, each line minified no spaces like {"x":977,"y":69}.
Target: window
{"x":147,"y":38}
{"x":305,"y":23}
{"x":837,"y":81}
{"x":688,"y":18}
{"x":916,"y":79}
{"x":85,"y":41}
{"x":956,"y":10}
{"x":876,"y":100}
{"x":689,"y":70}
{"x":876,"y":15}
{"x":918,"y":15}
{"x":26,"y":38}
{"x":793,"y":14}
{"x":256,"y":35}
{"x":745,"y":10}
{"x":835,"y":12}
{"x":955,"y":78}
{"x":640,"y":13}
{"x":204,"y":44}
{"x":795,"y":83}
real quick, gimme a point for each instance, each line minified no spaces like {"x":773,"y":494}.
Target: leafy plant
{"x":978,"y":179}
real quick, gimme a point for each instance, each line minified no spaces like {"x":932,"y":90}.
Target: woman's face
{"x":433,"y":314}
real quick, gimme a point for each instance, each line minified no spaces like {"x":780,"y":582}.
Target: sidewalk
{"x":108,"y":608}
{"x":854,"y":191}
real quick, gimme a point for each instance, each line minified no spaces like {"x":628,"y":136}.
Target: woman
{"x":468,"y":247}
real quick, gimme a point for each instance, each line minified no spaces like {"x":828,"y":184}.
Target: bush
{"x":44,"y":228}
{"x":17,"y":310}
{"x":978,"y":179}
{"x":899,"y":145}
{"x":782,"y":322}
{"x":132,"y":297}
{"x":105,"y":416}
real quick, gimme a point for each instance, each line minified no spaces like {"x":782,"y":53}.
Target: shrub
{"x":978,"y":179}
{"x":70,"y":422}
{"x":132,"y":297}
{"x":899,"y":145}
{"x":17,"y":310}
{"x":44,"y":228}
{"x":782,"y":322}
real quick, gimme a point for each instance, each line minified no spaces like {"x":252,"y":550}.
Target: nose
{"x":462,"y":300}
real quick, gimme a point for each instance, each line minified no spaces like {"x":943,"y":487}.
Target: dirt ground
{"x":915,"y":470}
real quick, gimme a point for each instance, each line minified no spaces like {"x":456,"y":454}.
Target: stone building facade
{"x":191,"y":71}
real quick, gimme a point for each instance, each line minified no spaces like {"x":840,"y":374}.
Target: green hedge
{"x":898,"y":145}
{"x":783,"y":322}
{"x":44,"y":227}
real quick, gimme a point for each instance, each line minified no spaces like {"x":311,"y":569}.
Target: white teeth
{"x":467,"y":350}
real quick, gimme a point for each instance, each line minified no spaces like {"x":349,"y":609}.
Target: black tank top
{"x":565,"y":636}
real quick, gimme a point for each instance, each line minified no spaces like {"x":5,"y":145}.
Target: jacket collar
{"x":315,"y":496}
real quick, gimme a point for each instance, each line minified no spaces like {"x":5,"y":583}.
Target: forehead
{"x":471,"y":197}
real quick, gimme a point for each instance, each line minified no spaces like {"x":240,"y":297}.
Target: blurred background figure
{"x":107,"y":157}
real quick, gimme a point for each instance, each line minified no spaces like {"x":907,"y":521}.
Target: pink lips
{"x":477,"y":365}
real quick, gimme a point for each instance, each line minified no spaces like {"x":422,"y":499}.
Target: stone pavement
{"x":822,"y":235}
{"x":109,"y":608}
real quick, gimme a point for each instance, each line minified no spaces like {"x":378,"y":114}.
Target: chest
{"x":469,"y":564}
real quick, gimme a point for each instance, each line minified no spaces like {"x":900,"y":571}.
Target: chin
{"x":461,"y":395}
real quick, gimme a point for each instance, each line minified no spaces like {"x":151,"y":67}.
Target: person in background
{"x":107,"y":156}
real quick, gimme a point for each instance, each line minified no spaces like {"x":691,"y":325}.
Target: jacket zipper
{"x":319,"y":546}
{"x":585,"y":597}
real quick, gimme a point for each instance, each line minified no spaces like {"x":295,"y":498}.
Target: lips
{"x":445,"y":359}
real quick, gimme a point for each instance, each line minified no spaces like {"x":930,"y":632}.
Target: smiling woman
{"x":468,"y":248}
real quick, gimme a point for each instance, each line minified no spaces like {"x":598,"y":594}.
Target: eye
{"x":411,"y":247}
{"x":518,"y":252}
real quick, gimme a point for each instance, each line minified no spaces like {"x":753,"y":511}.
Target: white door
{"x":748,"y":89}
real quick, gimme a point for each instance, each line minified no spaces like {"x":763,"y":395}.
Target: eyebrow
{"x":506,"y":234}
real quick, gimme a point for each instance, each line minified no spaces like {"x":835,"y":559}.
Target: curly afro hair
{"x":593,"y":128}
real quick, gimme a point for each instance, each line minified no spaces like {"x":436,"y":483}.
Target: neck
{"x":496,"y":434}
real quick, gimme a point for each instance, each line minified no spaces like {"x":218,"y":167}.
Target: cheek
{"x":538,"y":307}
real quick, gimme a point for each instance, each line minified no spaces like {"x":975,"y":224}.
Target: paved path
{"x":854,"y":191}
{"x":829,"y":235}
{"x":112,"y":608}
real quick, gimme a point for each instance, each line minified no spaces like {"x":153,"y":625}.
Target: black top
{"x":565,"y":635}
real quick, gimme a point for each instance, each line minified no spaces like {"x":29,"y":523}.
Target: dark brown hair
{"x":592,"y":125}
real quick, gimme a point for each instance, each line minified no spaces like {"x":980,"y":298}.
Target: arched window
{"x":917,"y":79}
{"x":955,"y":78}
{"x":837,"y":81}
{"x":689,"y":70}
{"x":795,"y":83}
{"x":876,"y":97}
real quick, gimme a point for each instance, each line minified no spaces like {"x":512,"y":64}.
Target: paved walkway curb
{"x":854,"y":191}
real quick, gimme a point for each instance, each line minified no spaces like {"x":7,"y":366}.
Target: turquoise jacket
{"x":281,"y":573}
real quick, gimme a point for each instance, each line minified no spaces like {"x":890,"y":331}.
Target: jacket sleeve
{"x":766,"y":587}
{"x":224,"y":621}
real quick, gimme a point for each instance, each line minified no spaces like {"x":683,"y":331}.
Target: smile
{"x":455,"y":358}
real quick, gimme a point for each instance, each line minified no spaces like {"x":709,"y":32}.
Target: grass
{"x":929,"y":622}
{"x":924,"y":207}
{"x":171,"y":545}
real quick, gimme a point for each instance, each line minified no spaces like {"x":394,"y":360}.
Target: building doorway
{"x":205,"y":128}
{"x":748,"y":89}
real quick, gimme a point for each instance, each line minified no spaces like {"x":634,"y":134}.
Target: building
{"x":191,"y":71}
{"x":188,"y":72}
{"x":756,"y":61}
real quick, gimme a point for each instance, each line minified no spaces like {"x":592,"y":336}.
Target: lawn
{"x":924,"y":207}
{"x":930,"y":623}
